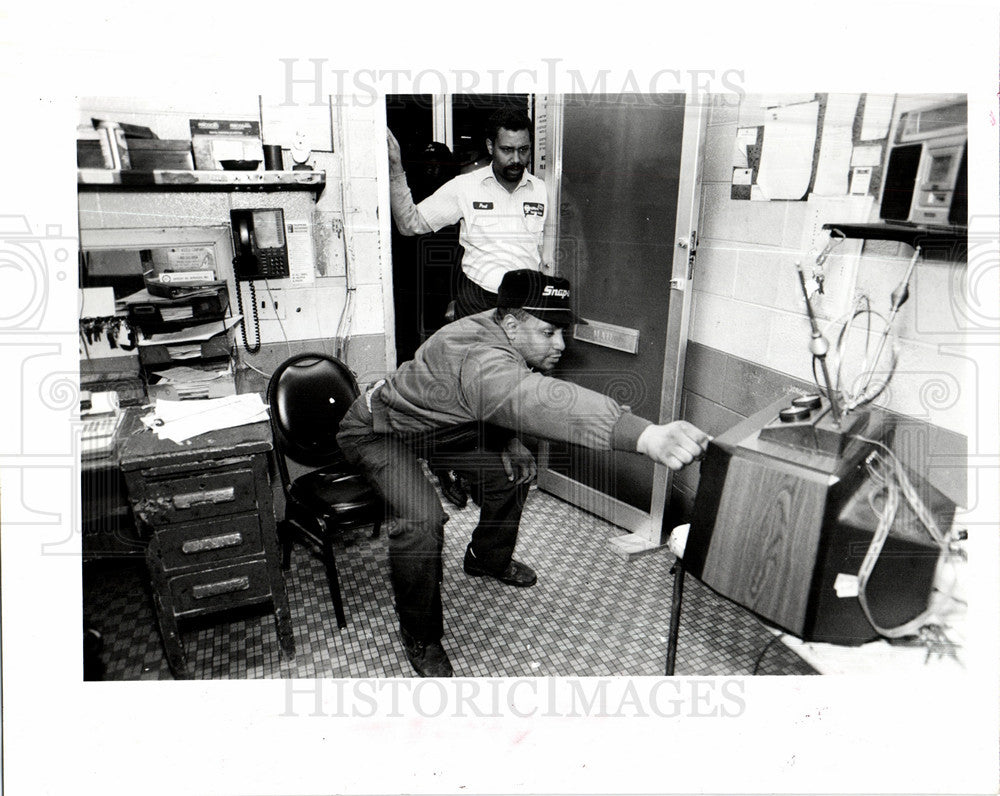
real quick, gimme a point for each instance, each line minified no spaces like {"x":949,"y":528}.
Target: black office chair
{"x":308,"y":395}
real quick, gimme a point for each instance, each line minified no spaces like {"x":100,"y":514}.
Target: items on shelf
{"x":185,"y":343}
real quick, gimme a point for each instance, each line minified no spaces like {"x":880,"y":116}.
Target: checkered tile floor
{"x":592,"y":613}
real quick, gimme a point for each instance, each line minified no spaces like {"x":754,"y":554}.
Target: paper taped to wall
{"x":834,"y":160}
{"x":787,"y":155}
{"x":301,"y":270}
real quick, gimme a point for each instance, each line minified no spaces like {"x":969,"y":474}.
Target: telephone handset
{"x":259,"y":243}
{"x":261,"y":253}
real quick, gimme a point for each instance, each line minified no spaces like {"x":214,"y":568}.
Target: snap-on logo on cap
{"x":555,"y":292}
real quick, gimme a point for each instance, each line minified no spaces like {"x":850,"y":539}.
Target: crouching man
{"x":463,"y":402}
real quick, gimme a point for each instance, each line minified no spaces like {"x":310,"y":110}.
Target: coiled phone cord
{"x":243,"y":323}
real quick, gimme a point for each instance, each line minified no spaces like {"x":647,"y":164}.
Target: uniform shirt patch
{"x":534,"y":209}
{"x":482,"y":205}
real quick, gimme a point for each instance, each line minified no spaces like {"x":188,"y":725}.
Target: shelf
{"x":177,"y":180}
{"x":910,"y":234}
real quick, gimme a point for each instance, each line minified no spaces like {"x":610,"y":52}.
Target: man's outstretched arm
{"x":675,"y":444}
{"x":404,"y":211}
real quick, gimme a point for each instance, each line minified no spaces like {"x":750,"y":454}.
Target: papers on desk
{"x":181,"y":420}
{"x":185,"y":374}
{"x":191,"y":334}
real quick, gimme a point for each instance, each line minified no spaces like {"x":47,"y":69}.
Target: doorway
{"x":439,"y":137}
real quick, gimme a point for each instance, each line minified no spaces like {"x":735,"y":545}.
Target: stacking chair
{"x":324,"y":494}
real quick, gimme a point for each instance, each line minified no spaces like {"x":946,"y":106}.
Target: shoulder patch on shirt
{"x":534,"y":209}
{"x":482,"y":205}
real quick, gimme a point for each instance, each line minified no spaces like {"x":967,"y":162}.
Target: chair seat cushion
{"x":331,"y":490}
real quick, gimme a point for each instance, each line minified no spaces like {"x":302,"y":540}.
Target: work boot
{"x":514,"y":574}
{"x":427,"y":657}
{"x":452,"y":488}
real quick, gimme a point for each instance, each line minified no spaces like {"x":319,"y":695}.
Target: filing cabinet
{"x":206,"y":508}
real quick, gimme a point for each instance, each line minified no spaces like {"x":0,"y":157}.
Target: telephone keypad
{"x":273,"y":264}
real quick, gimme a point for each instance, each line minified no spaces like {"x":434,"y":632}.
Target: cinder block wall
{"x":313,"y":312}
{"x":749,"y":333}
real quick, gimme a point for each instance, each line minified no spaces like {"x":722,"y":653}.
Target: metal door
{"x":626,"y":168}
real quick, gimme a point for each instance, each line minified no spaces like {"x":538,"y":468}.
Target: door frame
{"x":646,"y":527}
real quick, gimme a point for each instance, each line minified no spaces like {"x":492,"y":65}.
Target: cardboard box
{"x":150,"y":154}
{"x":214,"y":140}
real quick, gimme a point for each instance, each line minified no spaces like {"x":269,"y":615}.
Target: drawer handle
{"x":190,"y":499}
{"x":212,"y":543}
{"x":221,"y":587}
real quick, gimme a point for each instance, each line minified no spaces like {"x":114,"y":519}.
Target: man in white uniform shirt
{"x":502,"y":209}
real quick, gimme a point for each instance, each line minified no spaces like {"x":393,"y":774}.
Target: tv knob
{"x":811,"y":401}
{"x":793,"y":414}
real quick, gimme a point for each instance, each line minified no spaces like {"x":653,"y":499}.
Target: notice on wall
{"x":786,"y":158}
{"x":301,"y":270}
{"x":876,"y":117}
{"x":861,"y":180}
{"x":836,"y":145}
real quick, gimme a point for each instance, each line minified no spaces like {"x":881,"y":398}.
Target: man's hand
{"x":518,"y":462}
{"x":395,"y":155}
{"x":674,"y":444}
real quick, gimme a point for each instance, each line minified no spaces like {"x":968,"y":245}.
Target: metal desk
{"x":206,"y":507}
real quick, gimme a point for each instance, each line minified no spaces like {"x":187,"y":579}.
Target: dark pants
{"x":470,"y":298}
{"x":415,"y":543}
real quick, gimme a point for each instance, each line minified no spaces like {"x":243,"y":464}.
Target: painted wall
{"x":748,"y":317}
{"x":351,"y":289}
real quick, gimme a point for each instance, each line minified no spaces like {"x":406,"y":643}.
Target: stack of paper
{"x":191,"y":334}
{"x":181,"y":420}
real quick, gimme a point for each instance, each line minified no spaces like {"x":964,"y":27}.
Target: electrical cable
{"x":867,"y":394}
{"x":893,"y":482}
{"x":344,"y":324}
{"x":760,"y":656}
{"x":277,"y":317}
{"x":845,"y":321}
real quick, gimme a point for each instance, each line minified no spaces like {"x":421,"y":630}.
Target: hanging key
{"x":819,"y":277}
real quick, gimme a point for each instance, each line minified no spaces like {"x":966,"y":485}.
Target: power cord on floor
{"x":763,"y":652}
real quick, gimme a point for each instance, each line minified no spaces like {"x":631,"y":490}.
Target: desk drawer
{"x":194,"y":497}
{"x":209,"y":542}
{"x":220,"y":588}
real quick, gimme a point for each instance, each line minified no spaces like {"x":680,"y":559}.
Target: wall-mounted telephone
{"x":261,"y":253}
{"x":259,"y":243}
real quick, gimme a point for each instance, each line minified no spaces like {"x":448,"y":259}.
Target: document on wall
{"x":787,"y":155}
{"x":301,"y":268}
{"x":877,"y":116}
{"x":836,"y":145}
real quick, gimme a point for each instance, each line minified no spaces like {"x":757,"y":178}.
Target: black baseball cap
{"x":546,"y":297}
